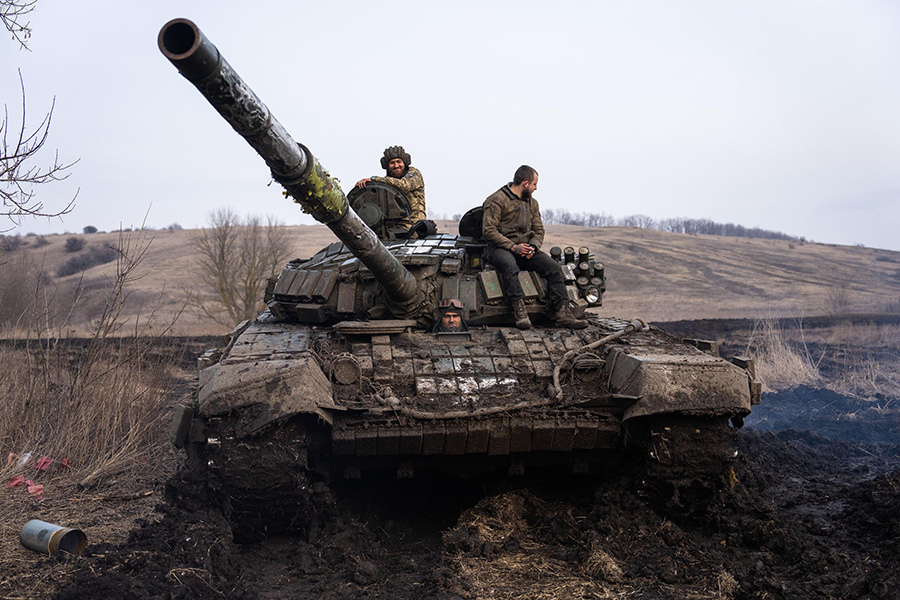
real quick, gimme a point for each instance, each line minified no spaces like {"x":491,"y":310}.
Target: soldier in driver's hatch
{"x":514,"y":231}
{"x":406,"y":178}
{"x":452,"y":317}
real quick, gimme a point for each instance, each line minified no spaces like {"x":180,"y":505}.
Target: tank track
{"x":688,"y":461}
{"x":276,"y":483}
{"x":263,"y":482}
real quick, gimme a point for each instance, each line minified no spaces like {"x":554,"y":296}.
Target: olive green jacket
{"x":413,"y":185}
{"x":510,"y":220}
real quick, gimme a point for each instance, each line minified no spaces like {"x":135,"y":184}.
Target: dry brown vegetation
{"x":859,"y":360}
{"x":81,"y":421}
{"x":656,"y":275}
{"x":779,"y":363}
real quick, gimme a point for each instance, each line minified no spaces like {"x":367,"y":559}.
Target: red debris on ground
{"x":35,"y":489}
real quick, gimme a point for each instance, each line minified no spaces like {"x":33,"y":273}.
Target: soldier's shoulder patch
{"x":408,"y":175}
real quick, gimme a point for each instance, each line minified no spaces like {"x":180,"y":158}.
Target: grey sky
{"x":781,"y":114}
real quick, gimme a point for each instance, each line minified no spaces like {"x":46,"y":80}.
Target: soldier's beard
{"x":526,"y":194}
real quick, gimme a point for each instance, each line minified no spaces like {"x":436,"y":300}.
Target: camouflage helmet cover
{"x":395,"y":152}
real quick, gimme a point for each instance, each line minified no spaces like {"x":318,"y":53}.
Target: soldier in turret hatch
{"x":514,"y":231}
{"x":402,"y":175}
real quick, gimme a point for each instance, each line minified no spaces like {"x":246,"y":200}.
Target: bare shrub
{"x":779,"y":364}
{"x":837,"y":297}
{"x":11,"y":243}
{"x":89,"y":229}
{"x":74,"y":244}
{"x":892,"y":306}
{"x":18,"y":278}
{"x":235,"y":257}
{"x":96,"y":255}
{"x":40,"y":241}
{"x":97,"y":403}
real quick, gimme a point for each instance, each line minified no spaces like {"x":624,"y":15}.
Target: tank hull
{"x":287,"y":406}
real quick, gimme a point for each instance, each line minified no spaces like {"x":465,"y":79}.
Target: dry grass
{"x":96,"y":409}
{"x":653,"y":274}
{"x":869,"y":378}
{"x":859,"y":360}
{"x":530,"y":572}
{"x":534,"y":570}
{"x":780,"y":364}
{"x":867,"y":361}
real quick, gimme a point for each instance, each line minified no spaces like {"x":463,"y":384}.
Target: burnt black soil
{"x":812,"y":511}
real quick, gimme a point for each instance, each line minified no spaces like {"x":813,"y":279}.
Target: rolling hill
{"x":656,"y":275}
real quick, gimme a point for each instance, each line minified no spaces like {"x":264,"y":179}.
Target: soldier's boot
{"x":522,"y":320}
{"x":564,"y":318}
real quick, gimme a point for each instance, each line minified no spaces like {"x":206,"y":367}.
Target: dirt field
{"x":814,"y":512}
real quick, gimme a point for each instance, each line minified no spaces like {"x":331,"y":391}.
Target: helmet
{"x":452,"y":305}
{"x":395,"y":152}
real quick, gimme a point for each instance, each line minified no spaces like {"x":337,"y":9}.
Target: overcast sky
{"x":781,"y":114}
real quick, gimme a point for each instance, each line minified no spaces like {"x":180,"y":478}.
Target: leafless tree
{"x":19,"y":175}
{"x":234,"y":258}
{"x":11,"y":14}
{"x":638,"y":221}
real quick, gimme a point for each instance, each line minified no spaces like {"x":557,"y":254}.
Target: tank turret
{"x":366,"y":274}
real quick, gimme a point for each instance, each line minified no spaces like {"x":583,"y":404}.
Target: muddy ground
{"x":813,"y":511}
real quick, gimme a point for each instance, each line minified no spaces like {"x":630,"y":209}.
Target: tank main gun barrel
{"x":292,"y":164}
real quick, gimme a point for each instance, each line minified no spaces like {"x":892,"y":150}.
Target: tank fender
{"x":667,"y":383}
{"x":280,"y":388}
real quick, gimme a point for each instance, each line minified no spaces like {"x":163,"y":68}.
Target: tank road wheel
{"x":264,"y":482}
{"x":688,"y":460}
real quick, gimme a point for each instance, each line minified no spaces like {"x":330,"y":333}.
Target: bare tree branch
{"x":19,"y":176}
{"x":11,"y":14}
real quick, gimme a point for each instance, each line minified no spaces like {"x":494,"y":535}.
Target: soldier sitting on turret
{"x":514,"y":231}
{"x":406,"y":178}
{"x":451,"y":320}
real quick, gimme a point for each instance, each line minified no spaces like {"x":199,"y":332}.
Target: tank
{"x":344,"y":374}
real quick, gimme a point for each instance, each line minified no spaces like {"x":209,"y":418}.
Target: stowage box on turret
{"x":345,"y":373}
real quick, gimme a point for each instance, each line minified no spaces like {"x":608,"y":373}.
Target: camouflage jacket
{"x":413,"y":186}
{"x":510,"y":220}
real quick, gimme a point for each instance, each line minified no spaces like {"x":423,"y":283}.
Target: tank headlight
{"x":592,"y":295}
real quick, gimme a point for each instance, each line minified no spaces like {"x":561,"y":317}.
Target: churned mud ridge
{"x":185,"y":552}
